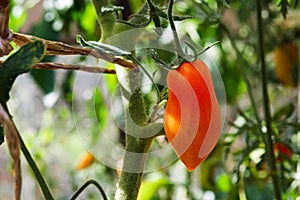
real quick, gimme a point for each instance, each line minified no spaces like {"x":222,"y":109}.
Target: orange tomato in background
{"x":192,"y":118}
{"x":85,"y":161}
{"x":286,"y":60}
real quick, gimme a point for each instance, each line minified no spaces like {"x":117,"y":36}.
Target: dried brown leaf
{"x":13,"y":144}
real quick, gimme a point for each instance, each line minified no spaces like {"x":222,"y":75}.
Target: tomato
{"x":282,"y":152}
{"x":192,"y":120}
{"x":85,"y":161}
{"x":286,"y":64}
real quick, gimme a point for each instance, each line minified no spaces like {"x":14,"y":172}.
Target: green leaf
{"x":67,"y":87}
{"x":283,"y":5}
{"x":224,"y":2}
{"x":112,"y":83}
{"x":18,"y":63}
{"x":148,"y":188}
{"x":223,"y":182}
{"x":101,"y":47}
{"x":100,"y":107}
{"x":45,"y":79}
{"x":284,"y":112}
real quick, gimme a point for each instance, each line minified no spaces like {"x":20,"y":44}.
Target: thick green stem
{"x":135,"y":158}
{"x":137,"y":146}
{"x":267,"y":112}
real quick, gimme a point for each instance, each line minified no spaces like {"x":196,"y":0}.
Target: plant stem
{"x":135,"y":158}
{"x":42,"y":183}
{"x":137,"y":146}
{"x":173,"y":27}
{"x":268,"y":136}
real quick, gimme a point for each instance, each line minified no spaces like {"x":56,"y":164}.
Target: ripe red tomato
{"x":282,"y":151}
{"x":192,"y":118}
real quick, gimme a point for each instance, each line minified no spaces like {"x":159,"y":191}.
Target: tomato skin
{"x":286,"y":61}
{"x":192,"y":118}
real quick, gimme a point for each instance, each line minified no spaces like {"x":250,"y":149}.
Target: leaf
{"x":148,"y":188}
{"x":224,"y":2}
{"x":19,"y":63}
{"x":284,"y":4}
{"x":45,"y":79}
{"x":284,"y":112}
{"x":100,"y":107}
{"x":110,"y":8}
{"x":101,"y":47}
{"x":67,"y":87}
{"x":223,"y":183}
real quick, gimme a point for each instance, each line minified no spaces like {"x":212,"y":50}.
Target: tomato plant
{"x":142,"y":95}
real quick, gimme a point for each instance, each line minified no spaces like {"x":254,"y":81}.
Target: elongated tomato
{"x":192,"y":118}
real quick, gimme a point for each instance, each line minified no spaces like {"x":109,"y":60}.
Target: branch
{"x":269,"y":133}
{"x":59,"y":48}
{"x":55,"y":66}
{"x":4,"y":18}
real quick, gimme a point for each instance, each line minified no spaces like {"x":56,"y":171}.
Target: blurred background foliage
{"x":48,"y":106}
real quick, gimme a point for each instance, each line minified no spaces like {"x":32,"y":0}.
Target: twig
{"x":59,"y":48}
{"x":55,"y":66}
{"x":173,"y":27}
{"x":268,"y":136}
